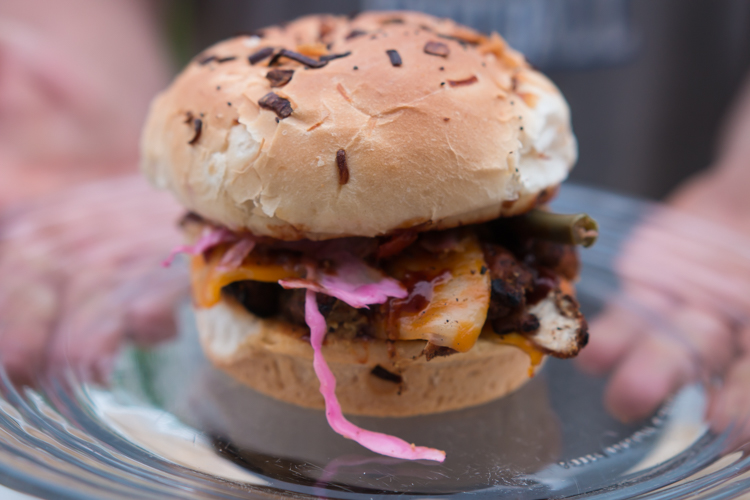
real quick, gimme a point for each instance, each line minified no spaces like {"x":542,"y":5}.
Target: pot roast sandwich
{"x":365,"y":215}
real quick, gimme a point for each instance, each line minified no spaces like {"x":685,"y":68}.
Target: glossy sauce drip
{"x":420,"y":285}
{"x":418,"y":299}
{"x":448,"y":293}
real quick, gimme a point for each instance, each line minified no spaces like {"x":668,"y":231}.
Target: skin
{"x":69,"y":299}
{"x":71,"y":106}
{"x":695,"y":274}
{"x":71,"y":109}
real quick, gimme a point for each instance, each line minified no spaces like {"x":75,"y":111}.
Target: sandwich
{"x":365,"y":215}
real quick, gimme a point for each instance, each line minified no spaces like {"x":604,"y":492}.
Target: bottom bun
{"x":275,"y":358}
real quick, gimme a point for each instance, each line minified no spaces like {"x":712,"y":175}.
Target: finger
{"x":623,"y":323}
{"x":27,"y":317}
{"x":707,"y":336}
{"x":22,"y":350}
{"x":689,"y":281}
{"x":150,"y":315}
{"x":743,"y":339}
{"x":663,"y":256}
{"x":611,"y":336}
{"x":72,"y":209}
{"x":692,"y":341}
{"x":686,"y":237}
{"x":730,"y":405}
{"x":649,"y":374}
{"x":69,"y":235}
{"x":86,"y":341}
{"x":89,"y":325}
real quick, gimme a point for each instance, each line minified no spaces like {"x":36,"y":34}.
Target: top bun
{"x":460,"y":130}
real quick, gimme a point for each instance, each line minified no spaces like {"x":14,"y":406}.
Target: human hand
{"x":684,"y":309}
{"x":81,"y":272}
{"x":71,"y":104}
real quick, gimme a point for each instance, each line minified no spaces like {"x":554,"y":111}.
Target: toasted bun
{"x":275,"y":358}
{"x":434,"y":143}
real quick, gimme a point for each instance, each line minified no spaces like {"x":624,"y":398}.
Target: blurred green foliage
{"x":180,"y":24}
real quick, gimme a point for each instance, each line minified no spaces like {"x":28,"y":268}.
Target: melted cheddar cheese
{"x":536,"y":355}
{"x":517,"y":340}
{"x":456,"y":297}
{"x":452,"y":287}
{"x":208,"y":277}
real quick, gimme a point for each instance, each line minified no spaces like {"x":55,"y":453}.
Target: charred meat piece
{"x":526,"y":297}
{"x":261,"y":299}
{"x":519,"y":322}
{"x":342,"y":319}
{"x":292,"y":306}
{"x":563,"y":330}
{"x":507,"y":293}
{"x":561,"y":259}
{"x":511,"y":281}
{"x":347,"y":322}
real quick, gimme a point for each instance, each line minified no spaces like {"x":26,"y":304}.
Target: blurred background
{"x":650,"y":82}
{"x":660,"y":98}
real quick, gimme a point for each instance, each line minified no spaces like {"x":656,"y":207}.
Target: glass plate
{"x":168,"y":425}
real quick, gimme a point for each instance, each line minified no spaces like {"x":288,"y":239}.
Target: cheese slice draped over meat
{"x":444,"y":300}
{"x":449,"y":294}
{"x":449,"y":287}
{"x":208,"y":276}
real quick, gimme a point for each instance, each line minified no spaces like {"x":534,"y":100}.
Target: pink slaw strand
{"x":237,"y":253}
{"x":355,"y":283}
{"x":210,"y":237}
{"x":384,"y":444}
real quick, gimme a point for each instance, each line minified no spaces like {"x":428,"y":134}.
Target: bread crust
{"x":434,"y":143}
{"x":275,"y":358}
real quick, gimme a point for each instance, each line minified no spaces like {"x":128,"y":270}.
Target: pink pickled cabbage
{"x":354,"y":282}
{"x":375,"y":441}
{"x":237,"y":253}
{"x":359,"y":285}
{"x":210,"y":237}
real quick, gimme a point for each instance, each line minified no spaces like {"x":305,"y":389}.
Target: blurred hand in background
{"x":689,"y":264}
{"x":76,"y":77}
{"x":81,"y":273}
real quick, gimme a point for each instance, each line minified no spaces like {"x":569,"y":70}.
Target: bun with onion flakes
{"x":373,"y":182}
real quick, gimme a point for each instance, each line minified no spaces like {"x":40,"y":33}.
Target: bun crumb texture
{"x":330,"y":127}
